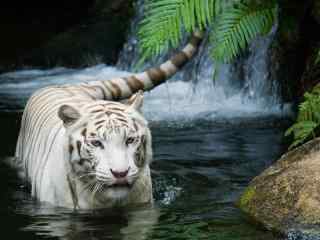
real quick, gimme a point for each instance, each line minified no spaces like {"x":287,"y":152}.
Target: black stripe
{"x":195,"y":41}
{"x":117,"y":89}
{"x":134,"y":83}
{"x":98,"y":110}
{"x":179,"y":59}
{"x":84,"y":132}
{"x":79,"y":147}
{"x":100,"y":126}
{"x":115,"y":113}
{"x":115,"y":109}
{"x":97,"y":123}
{"x":71,"y":149}
{"x":103,"y":92}
{"x":109,"y":89}
{"x":157,"y":75}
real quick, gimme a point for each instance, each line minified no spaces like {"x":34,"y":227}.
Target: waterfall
{"x":242,"y":89}
{"x":205,"y":89}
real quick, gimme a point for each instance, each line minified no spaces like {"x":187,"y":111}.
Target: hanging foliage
{"x":308,"y":120}
{"x":235,"y":24}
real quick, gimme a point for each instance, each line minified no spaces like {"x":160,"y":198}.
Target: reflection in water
{"x":91,"y":225}
{"x":199,"y":171}
{"x":200,"y":167}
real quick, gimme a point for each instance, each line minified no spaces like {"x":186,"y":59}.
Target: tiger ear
{"x":136,"y":101}
{"x":68,"y":114}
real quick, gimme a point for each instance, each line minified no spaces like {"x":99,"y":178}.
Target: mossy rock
{"x":286,"y":196}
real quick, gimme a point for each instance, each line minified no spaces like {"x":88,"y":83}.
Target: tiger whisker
{"x":101,"y":172}
{"x":104,"y":179}
{"x":86,"y":175}
{"x":133,"y":176}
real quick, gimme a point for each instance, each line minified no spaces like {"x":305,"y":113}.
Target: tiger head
{"x":108,"y":145}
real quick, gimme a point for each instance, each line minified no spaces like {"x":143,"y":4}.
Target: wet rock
{"x":286,"y":196}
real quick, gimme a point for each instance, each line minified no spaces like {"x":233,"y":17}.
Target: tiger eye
{"x":96,"y":143}
{"x":130,"y":140}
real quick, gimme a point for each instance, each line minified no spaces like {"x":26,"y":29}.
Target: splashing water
{"x":243,"y":89}
{"x":204,"y":89}
{"x":200,"y":171}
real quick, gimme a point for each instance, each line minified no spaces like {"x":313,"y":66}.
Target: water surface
{"x":200,"y":168}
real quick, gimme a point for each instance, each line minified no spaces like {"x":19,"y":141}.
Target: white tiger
{"x":80,"y":149}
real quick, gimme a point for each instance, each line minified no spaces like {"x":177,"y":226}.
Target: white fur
{"x":43,"y":150}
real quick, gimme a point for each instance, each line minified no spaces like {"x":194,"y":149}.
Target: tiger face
{"x":108,"y":146}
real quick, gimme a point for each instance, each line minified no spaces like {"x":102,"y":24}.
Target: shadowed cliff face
{"x":70,"y":33}
{"x":297,"y":39}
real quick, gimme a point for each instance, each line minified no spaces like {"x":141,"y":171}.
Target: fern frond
{"x":309,"y":109}
{"x":308,"y":120}
{"x":237,"y":26}
{"x":302,"y":131}
{"x":166,"y":20}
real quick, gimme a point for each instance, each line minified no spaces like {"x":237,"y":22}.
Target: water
{"x":213,"y":90}
{"x":200,"y":168}
{"x":210,"y":138}
{"x":17,"y":86}
{"x":207,"y":149}
{"x":203,"y":89}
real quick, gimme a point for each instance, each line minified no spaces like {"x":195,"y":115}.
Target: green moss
{"x":246,"y":197}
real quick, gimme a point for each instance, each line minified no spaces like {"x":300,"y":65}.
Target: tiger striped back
{"x":55,"y":116}
{"x":122,"y":88}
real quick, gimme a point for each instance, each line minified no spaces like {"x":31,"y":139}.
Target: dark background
{"x":50,"y":33}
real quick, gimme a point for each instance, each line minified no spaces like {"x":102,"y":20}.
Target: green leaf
{"x":308,"y":119}
{"x":302,"y":131}
{"x":165,"y":21}
{"x":237,"y":26}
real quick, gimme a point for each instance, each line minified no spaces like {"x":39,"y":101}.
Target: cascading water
{"x":199,"y":168}
{"x":245,"y":87}
{"x":242,"y":89}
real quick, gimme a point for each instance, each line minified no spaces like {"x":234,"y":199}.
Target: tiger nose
{"x":117,"y":174}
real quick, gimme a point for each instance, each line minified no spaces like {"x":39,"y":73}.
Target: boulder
{"x":286,"y":196}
